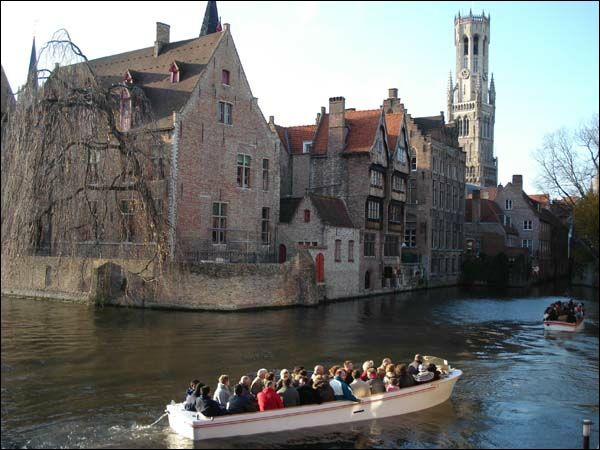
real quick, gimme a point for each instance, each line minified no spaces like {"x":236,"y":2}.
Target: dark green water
{"x":74,"y":376}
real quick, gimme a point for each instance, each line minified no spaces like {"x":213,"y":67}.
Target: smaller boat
{"x":555,"y":325}
{"x":408,"y":400}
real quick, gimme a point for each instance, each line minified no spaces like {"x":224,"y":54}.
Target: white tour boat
{"x":555,"y":325}
{"x":195,"y":426}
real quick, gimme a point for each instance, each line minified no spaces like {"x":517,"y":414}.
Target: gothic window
{"x":225,"y":77}
{"x":465,"y":52}
{"x":476,"y":45}
{"x":265,"y":174}
{"x":459,"y":126}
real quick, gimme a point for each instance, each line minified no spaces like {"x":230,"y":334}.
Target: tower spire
{"x":32,"y":72}
{"x":210,"y":23}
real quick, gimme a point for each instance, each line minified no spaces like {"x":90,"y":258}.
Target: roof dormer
{"x":174,"y":72}
{"x":128,"y":78}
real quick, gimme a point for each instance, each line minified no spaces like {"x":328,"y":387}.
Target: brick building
{"x":362,"y":158}
{"x":540,"y":231}
{"x":322,"y":225}
{"x":213,"y":161}
{"x":435,"y":211}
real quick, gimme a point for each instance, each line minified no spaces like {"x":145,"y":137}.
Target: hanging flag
{"x":219,"y":27}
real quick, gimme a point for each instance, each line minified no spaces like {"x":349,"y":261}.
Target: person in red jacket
{"x":268,"y":398}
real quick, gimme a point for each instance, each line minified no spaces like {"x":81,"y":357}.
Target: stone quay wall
{"x":135,"y":283}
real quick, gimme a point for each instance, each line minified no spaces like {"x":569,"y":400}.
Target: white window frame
{"x":307,"y":147}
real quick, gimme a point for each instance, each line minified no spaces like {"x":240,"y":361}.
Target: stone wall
{"x":207,"y":286}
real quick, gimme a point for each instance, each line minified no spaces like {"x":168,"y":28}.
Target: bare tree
{"x":75,"y":182}
{"x":569,"y":161}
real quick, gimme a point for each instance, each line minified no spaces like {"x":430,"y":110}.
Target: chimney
{"x":476,"y":206}
{"x":162,"y":37}
{"x":337,"y":108}
{"x":392,"y":103}
{"x":517,"y":181}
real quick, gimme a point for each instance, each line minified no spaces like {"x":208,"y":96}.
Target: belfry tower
{"x":471,"y":101}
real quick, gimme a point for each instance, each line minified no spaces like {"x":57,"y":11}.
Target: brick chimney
{"x":337,"y":108}
{"x":162,"y":37}
{"x":476,"y":206}
{"x":517,"y":181}
{"x":392,"y":103}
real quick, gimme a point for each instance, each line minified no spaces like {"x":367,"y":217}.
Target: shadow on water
{"x":74,"y":376}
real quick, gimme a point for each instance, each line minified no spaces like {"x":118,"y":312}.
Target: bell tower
{"x":472,"y":101}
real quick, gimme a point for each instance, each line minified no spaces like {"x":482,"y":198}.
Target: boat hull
{"x":195,"y":426}
{"x":555,"y":325}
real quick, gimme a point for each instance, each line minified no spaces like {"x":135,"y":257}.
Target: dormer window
{"x":125,"y":110}
{"x":307,"y":146}
{"x":174,"y":73}
{"x":225,"y":77}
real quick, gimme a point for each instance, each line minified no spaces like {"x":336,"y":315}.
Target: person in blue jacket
{"x":340,"y":387}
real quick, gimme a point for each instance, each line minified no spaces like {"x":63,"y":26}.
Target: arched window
{"x":476,"y":45}
{"x":125,"y":110}
{"x":465,"y":52}
{"x":466,"y":126}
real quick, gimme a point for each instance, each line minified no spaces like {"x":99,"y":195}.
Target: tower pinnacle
{"x":210,"y":23}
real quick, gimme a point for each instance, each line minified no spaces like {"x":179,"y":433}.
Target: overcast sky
{"x":544,"y":55}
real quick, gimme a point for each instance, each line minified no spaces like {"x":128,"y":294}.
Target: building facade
{"x":540,"y":232}
{"x":472,"y":101}
{"x":210,"y":160}
{"x":322,"y":225}
{"x":436,"y":199}
{"x":362,"y":158}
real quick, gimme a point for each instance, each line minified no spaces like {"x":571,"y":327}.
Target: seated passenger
{"x":359,"y":387}
{"x":340,"y":388}
{"x":349,"y":368}
{"x":375,"y":382}
{"x":366,"y":366}
{"x":322,"y":388}
{"x":269,"y":399}
{"x":413,"y":367}
{"x":222,"y":393}
{"x":191,"y":388}
{"x":405,"y":379}
{"x":259,"y":382}
{"x":207,"y":406}
{"x":246,"y":383}
{"x":424,"y":375}
{"x":289,"y":394}
{"x":283,"y":375}
{"x":318,"y":371}
{"x":385,"y":363}
{"x":239,"y":402}
{"x":190,"y":401}
{"x":308,"y":396}
{"x":332,"y":371}
{"x":393,"y":386}
{"x":433,"y":369}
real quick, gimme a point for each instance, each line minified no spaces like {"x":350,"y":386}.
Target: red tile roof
{"x":297,"y":136}
{"x":544,"y":199}
{"x":393,"y":123}
{"x":362,"y":129}
{"x":322,"y":136}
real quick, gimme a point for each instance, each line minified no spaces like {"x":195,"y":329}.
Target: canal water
{"x":79,"y":377}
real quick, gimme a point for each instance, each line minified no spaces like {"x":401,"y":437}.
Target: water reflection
{"x":75,"y":376}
